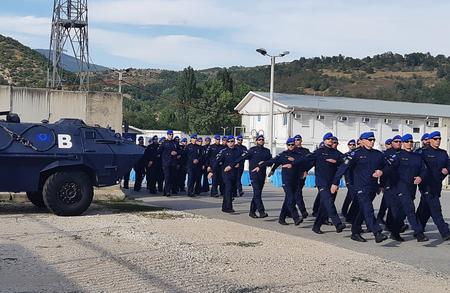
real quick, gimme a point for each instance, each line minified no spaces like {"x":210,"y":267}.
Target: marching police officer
{"x":194,"y":166}
{"x":255,"y":155}
{"x":151,"y":173}
{"x":205,"y":148}
{"x":227,"y":162}
{"x":302,"y":151}
{"x":243,"y":149}
{"x":169,"y":150}
{"x":368,"y":165}
{"x":348,"y":182}
{"x":410,"y":169}
{"x":181,"y":181}
{"x":326,"y":161}
{"x":139,"y":168}
{"x":213,"y":151}
{"x":436,"y":160}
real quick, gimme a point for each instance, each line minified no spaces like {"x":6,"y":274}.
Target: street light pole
{"x":272,"y":77}
{"x":263,"y":52}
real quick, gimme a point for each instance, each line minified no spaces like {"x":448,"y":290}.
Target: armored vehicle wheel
{"x":68,"y":193}
{"x":36,"y":198}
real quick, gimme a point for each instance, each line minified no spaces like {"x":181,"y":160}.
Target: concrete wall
{"x":34,"y":105}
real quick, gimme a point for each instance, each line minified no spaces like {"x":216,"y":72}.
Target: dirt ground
{"x":125,"y":247}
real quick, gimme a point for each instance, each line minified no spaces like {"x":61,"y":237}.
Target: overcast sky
{"x":172,"y":34}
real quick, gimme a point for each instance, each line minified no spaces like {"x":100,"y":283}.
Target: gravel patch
{"x":111,"y":250}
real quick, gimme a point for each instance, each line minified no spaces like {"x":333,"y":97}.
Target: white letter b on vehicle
{"x":64,"y":141}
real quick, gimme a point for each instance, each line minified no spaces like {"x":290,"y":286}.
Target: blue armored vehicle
{"x":58,"y":164}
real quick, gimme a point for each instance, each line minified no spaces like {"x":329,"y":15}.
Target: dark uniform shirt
{"x":228,"y":157}
{"x":435,"y":160}
{"x":407,"y":166}
{"x":193,"y":152}
{"x":363,"y":162}
{"x":324,"y":170}
{"x":255,"y":155}
{"x":165,"y":149}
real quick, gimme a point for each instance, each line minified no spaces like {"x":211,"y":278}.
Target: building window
{"x":285,"y":118}
{"x":416,"y":130}
{"x":394,"y":129}
{"x":258,"y":118}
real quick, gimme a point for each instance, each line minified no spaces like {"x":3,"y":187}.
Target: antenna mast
{"x":69,"y":34}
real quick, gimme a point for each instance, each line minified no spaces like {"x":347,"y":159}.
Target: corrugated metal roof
{"x":344,"y":104}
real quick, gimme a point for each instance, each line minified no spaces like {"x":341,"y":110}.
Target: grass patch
{"x":165,"y":215}
{"x":128,"y":206}
{"x":244,"y":244}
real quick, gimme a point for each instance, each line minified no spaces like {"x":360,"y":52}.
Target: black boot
{"x":253,"y":215}
{"x":358,"y":237}
{"x":421,"y":237}
{"x":298,"y":221}
{"x":263,"y":215}
{"x":380,"y":237}
{"x":340,"y":227}
{"x":317,"y":230}
{"x":282,"y":222}
{"x":397,"y":237}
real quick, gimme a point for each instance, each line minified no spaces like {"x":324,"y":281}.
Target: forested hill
{"x":157,"y":102}
{"x":204,"y":100}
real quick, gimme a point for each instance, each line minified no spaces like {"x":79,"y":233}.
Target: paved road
{"x":433,"y":255}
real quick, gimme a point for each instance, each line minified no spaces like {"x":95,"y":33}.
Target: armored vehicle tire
{"x":68,"y":193}
{"x":36,"y":198}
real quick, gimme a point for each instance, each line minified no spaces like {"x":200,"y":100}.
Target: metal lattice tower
{"x":69,"y":34}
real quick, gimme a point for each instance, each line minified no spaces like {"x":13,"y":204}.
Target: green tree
{"x":187,"y":92}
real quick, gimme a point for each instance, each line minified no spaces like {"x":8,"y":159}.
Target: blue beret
{"x":425,"y":136}
{"x":177,"y":137}
{"x":217,"y":136}
{"x":328,"y":135}
{"x":207,"y":138}
{"x":259,"y":136}
{"x":434,"y":134}
{"x":194,"y":136}
{"x":162,"y":139}
{"x":155,"y":137}
{"x":397,"y":137}
{"x":290,"y":140}
{"x":184,"y":139}
{"x":169,"y":131}
{"x":199,"y":138}
{"x":230,"y":137}
{"x":224,"y":137}
{"x":334,"y":138}
{"x":297,"y":136}
{"x":239,"y":137}
{"x":351,"y":141}
{"x":388,"y":141}
{"x":367,"y":135}
{"x":407,"y":137}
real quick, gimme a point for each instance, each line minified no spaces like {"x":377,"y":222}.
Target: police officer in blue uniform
{"x":326,"y":161}
{"x":289,"y":177}
{"x":387,"y":181}
{"x":226,"y":162}
{"x":409,"y":169}
{"x":243,"y":149}
{"x":139,"y":168}
{"x":151,"y":173}
{"x":351,"y":144}
{"x":213,"y":151}
{"x":182,"y":171}
{"x":194,"y":166}
{"x":205,"y":161}
{"x":169,"y":150}
{"x":436,"y":160}
{"x":256,"y":155}
{"x":368,"y":165}
{"x":302,"y":151}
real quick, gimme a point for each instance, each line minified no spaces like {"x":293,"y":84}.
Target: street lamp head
{"x":262,"y":51}
{"x":284,"y":53}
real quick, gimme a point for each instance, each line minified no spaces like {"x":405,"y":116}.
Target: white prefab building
{"x":347,"y":118}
